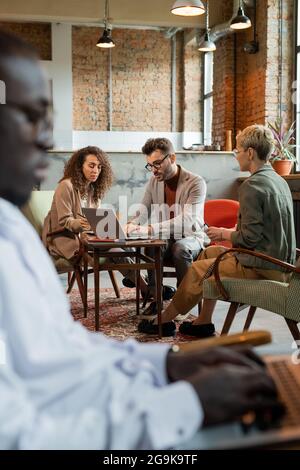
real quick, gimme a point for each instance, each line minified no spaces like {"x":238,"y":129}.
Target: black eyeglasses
{"x":156,"y":164}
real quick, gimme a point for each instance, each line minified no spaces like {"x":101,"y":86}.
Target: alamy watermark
{"x":175,"y":221}
{"x":2,"y":92}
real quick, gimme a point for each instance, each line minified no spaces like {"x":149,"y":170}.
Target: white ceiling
{"x":122,"y":12}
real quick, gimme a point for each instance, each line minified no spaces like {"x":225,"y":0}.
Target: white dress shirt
{"x":63,"y":387}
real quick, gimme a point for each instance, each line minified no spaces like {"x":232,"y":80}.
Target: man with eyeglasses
{"x":173,"y":203}
{"x":265,"y":225}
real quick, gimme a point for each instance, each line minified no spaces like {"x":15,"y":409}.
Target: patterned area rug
{"x":118,"y":317}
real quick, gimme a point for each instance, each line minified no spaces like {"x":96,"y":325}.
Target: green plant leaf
{"x":283,"y":138}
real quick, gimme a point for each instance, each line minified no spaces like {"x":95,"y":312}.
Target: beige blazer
{"x":66,"y":206}
{"x":189,"y":218}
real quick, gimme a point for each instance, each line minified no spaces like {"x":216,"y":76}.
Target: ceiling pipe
{"x":220,"y":30}
{"x":171,"y":32}
{"x":223,"y":29}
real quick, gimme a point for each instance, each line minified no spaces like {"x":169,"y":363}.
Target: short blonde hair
{"x":258,"y":137}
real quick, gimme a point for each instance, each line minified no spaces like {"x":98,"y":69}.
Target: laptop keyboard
{"x":289,"y":391}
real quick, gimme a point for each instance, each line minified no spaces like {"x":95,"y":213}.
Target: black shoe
{"x":128,"y":283}
{"x":201,"y":331}
{"x":148,"y":327}
{"x":168,"y":292}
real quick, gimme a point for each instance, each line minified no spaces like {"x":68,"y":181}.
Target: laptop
{"x":284,"y":433}
{"x":105,"y":224}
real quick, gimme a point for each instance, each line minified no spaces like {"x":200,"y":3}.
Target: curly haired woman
{"x":87,"y":177}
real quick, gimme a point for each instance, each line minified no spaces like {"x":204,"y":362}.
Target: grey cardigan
{"x":189,"y":217}
{"x":266,"y":221}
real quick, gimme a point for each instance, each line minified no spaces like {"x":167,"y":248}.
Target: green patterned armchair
{"x":35,"y":211}
{"x":277,"y":297}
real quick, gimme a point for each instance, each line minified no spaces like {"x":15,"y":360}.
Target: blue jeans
{"x":181,"y":253}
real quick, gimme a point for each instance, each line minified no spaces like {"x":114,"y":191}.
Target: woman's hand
{"x":80,"y":225}
{"x":85,"y":226}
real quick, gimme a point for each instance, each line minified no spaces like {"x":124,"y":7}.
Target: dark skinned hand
{"x":183,"y":364}
{"x":227,"y":392}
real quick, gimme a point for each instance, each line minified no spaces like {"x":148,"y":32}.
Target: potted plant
{"x":283,"y":157}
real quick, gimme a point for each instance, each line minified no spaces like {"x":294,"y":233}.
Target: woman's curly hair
{"x":73,"y":170}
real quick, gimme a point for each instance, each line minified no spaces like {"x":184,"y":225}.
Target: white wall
{"x":131,"y":141}
{"x":59,"y":71}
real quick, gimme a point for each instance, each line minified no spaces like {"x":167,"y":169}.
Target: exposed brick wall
{"x":256,"y":83}
{"x":239,"y":94}
{"x":37,"y":34}
{"x":251,"y":73}
{"x":179,"y":81}
{"x":141,"y":77}
{"x":141,"y":71}
{"x":90,"y":84}
{"x":223,"y":99}
{"x":192,"y":88}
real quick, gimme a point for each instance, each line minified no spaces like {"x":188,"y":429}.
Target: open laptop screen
{"x":105,"y":224}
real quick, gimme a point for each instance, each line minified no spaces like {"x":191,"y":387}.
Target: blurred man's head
{"x":161,"y":158}
{"x":25,"y":124}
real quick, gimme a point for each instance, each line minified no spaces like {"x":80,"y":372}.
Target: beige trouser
{"x":189,"y":293}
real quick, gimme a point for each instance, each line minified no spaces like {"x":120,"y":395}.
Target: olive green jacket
{"x":266,"y":221}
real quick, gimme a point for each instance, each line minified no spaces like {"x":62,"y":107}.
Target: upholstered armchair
{"x":277,"y":297}
{"x":35,"y":211}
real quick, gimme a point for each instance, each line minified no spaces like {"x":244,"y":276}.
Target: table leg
{"x":97,"y":289}
{"x":138,"y":280}
{"x":158,"y":264}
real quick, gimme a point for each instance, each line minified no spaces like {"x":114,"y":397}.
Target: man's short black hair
{"x":161,"y":143}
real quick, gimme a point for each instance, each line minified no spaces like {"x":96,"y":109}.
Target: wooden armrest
{"x":254,"y":338}
{"x":289,"y":267}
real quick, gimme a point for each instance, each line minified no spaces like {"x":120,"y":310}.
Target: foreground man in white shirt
{"x":60,"y":385}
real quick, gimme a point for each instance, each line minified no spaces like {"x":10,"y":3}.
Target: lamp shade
{"x":240,"y":21}
{"x":105,"y":40}
{"x":207,"y":45}
{"x":188,"y":8}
